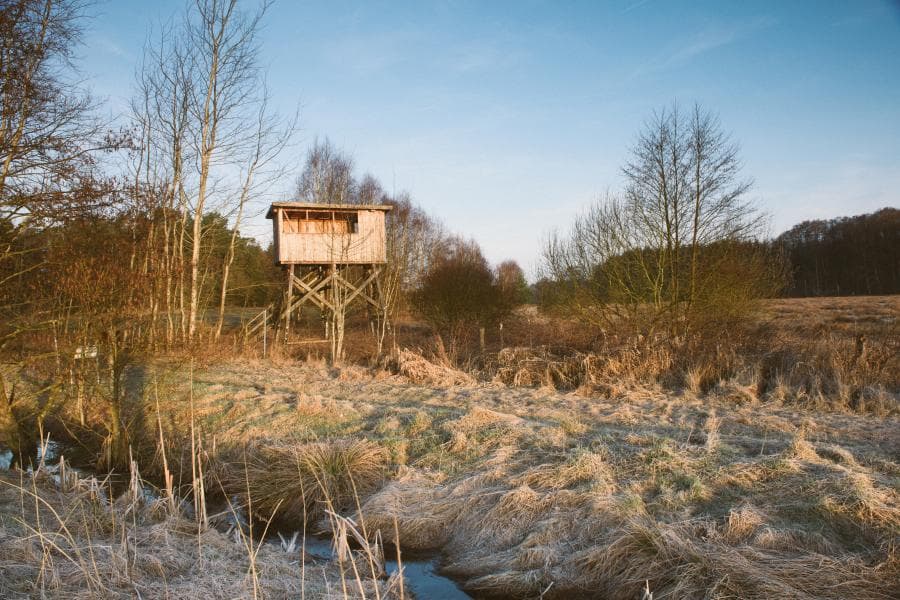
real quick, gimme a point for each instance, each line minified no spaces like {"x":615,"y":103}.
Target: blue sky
{"x":505,"y":119}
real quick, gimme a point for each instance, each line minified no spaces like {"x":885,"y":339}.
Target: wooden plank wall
{"x":365,"y":247}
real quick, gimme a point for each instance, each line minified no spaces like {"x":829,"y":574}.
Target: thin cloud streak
{"x":709,"y":39}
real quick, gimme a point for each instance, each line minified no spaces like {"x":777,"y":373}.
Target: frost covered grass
{"x":578,"y":474}
{"x":62,"y":535}
{"x":526,"y":491}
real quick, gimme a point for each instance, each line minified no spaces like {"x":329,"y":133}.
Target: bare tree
{"x":327,"y":175}
{"x":718,"y":204}
{"x":664,"y":248}
{"x":161,"y":110}
{"x":412,"y":237}
{"x":272,"y":134}
{"x":200,"y":88}
{"x":223,"y":46}
{"x":49,"y":138}
{"x":46,"y":125}
{"x":369,"y":191}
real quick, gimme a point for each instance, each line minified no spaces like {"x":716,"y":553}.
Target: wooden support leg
{"x":288,"y":298}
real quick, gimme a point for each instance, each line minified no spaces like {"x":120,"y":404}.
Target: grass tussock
{"x":424,"y":372}
{"x":300,"y":482}
{"x":581,"y":468}
{"x":693,"y":560}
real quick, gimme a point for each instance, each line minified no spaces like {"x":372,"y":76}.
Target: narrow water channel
{"x":420,"y":571}
{"x":422,"y":579}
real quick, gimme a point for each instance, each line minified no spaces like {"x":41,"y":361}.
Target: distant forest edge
{"x":847,"y":256}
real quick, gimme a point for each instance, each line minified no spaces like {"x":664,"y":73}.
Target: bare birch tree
{"x":327,"y":175}
{"x":225,"y":71}
{"x":204,"y":95}
{"x":666,"y":248}
{"x":272,"y":134}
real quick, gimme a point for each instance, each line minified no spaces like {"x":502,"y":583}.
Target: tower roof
{"x":320,"y":206}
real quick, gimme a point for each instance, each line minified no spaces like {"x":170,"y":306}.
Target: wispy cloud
{"x":481,"y":57}
{"x":635,"y":5}
{"x":110,"y":47}
{"x":372,"y":55}
{"x":369,"y":54}
{"x":702,"y":42}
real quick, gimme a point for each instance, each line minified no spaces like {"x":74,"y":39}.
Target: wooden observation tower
{"x":333,"y":255}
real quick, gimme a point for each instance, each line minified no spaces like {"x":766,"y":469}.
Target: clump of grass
{"x":850,"y":497}
{"x":413,"y":504}
{"x":711,"y":428}
{"x":691,"y":560}
{"x":800,"y":448}
{"x":837,"y":454}
{"x":581,"y":467}
{"x":419,"y":370}
{"x":479,"y":430}
{"x":301,"y":481}
{"x":742,"y":523}
{"x":510,"y":518}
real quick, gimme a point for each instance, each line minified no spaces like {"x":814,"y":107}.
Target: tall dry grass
{"x":833,"y":354}
{"x":66,"y":535}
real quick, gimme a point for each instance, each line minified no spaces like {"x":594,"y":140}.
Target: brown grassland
{"x":773,"y":472}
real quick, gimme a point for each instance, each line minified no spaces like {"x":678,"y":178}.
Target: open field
{"x":591,"y":490}
{"x":523,"y":488}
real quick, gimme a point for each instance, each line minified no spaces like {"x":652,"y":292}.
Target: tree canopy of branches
{"x":460,"y":291}
{"x":47,"y":130}
{"x":846,"y":256}
{"x":327,"y":177}
{"x":49,"y":139}
{"x":678,"y":244}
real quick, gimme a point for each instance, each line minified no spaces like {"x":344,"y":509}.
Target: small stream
{"x":422,"y":579}
{"x":420,"y":570}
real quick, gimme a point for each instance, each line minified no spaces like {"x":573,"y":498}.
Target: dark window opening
{"x":320,"y":221}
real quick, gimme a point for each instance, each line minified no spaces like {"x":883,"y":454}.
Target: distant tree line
{"x":136,"y":233}
{"x":857,"y":255}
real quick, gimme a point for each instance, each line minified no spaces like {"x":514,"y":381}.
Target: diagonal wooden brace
{"x":312,"y":293}
{"x":357,"y":290}
{"x":307,"y":287}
